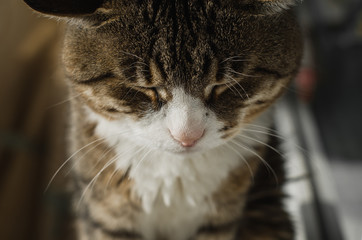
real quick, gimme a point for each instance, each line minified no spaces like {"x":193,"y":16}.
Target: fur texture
{"x":170,"y":121}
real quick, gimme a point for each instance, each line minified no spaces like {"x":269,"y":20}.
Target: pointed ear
{"x":274,"y":6}
{"x":65,"y":7}
{"x":264,"y":7}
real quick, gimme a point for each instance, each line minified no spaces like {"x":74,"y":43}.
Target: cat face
{"x":181,"y":76}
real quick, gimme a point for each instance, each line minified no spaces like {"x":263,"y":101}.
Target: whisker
{"x":105,"y":152}
{"x":242,"y":97}
{"x":81,"y":157}
{"x":110,"y":178}
{"x":143,"y":158}
{"x":129,"y":90}
{"x":230,"y":77}
{"x":241,"y":74}
{"x":131,"y":66}
{"x":267,"y":165}
{"x":232,"y":85}
{"x":75,"y":153}
{"x":294,"y":90}
{"x":234,"y":59}
{"x":277,"y":136}
{"x":133,"y":55}
{"x":262,"y":127}
{"x":62,"y":102}
{"x":263,"y":143}
{"x":113,"y":159}
{"x":227,"y":85}
{"x":140,"y":63}
{"x":244,"y":160}
{"x":114,"y":172}
{"x":110,"y":162}
{"x":267,"y":133}
{"x":68,"y":159}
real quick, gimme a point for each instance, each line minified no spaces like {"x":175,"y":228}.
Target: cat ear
{"x":265,"y":7}
{"x":274,"y":6}
{"x":65,"y":7}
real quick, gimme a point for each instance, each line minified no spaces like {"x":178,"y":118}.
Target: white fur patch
{"x":175,"y":184}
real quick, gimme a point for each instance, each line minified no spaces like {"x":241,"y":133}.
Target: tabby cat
{"x":169,"y":116}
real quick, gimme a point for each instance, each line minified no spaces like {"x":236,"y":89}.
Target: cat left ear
{"x":65,"y":7}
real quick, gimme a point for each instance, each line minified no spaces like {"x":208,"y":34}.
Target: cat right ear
{"x":263,"y":7}
{"x":65,"y":8}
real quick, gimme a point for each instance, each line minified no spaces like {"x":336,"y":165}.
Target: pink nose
{"x":188,"y":139}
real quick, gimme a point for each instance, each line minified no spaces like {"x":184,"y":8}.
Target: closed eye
{"x":156,"y":93}
{"x":215,"y":89}
{"x":99,"y":78}
{"x":233,"y":85}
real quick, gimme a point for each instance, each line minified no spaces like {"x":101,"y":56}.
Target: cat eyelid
{"x":100,"y":78}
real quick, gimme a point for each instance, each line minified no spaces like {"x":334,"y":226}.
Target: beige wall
{"x":31,"y":134}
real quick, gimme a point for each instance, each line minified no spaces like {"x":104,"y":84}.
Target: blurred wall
{"x":31,"y":131}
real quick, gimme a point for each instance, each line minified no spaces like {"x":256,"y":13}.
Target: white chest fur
{"x":175,"y":189}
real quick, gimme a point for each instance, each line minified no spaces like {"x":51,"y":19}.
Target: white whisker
{"x":78,"y":151}
{"x":262,"y":127}
{"x":81,"y":157}
{"x":143,"y":158}
{"x":240,"y":74}
{"x":235,"y":59}
{"x":133,"y":55}
{"x":277,"y":136}
{"x":116,"y":169}
{"x":62,"y":102}
{"x":139,"y":63}
{"x":228,"y":76}
{"x":110,"y":162}
{"x":229,"y":85}
{"x":110,"y":178}
{"x":263,"y":143}
{"x":68,"y":159}
{"x":243,"y":159}
{"x":267,"y":165}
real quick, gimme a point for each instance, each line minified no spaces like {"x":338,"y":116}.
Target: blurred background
{"x":32,"y":126}
{"x":324,"y":106}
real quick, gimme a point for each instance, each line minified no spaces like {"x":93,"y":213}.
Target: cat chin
{"x":200,"y":148}
{"x":187,"y":152}
{"x":183,"y":152}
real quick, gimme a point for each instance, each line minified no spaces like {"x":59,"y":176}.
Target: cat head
{"x":180,"y":75}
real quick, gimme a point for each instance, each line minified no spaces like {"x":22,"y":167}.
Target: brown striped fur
{"x":125,"y":58}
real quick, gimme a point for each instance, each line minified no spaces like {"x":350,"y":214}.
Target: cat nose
{"x":187,"y":138}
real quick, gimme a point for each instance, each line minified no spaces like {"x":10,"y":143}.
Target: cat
{"x":170,"y":111}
